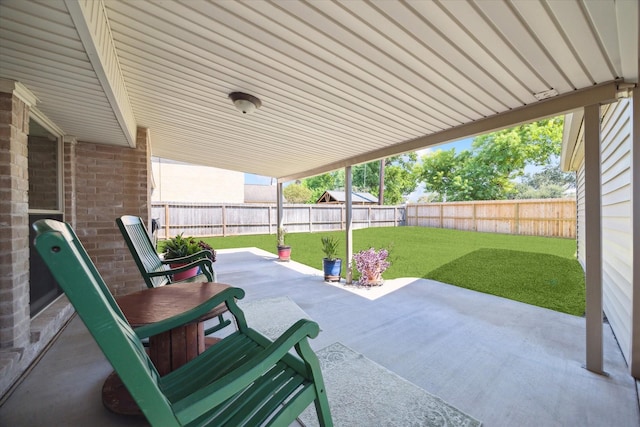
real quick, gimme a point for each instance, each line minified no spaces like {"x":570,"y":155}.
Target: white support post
{"x":280,"y":211}
{"x":348,"y":178}
{"x":593,"y":239}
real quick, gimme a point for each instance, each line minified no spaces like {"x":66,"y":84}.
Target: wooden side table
{"x":169,"y":350}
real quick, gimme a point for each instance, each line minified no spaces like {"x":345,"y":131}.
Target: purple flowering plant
{"x":371,"y":264}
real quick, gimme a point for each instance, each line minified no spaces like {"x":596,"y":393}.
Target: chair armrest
{"x":203,"y":254}
{"x":202,"y":262}
{"x":215,"y":393}
{"x":189,"y":316}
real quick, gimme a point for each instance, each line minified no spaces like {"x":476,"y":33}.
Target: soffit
{"x":340,"y":82}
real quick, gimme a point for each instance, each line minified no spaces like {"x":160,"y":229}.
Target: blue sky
{"x":250,"y":178}
{"x":458,"y":145}
{"x":462,"y":144}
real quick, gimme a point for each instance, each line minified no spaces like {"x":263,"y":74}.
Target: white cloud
{"x":424,"y":151}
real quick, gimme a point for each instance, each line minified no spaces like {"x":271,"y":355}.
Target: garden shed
{"x":340,"y":197}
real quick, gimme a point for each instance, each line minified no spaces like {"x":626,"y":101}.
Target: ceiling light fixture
{"x":245,"y":102}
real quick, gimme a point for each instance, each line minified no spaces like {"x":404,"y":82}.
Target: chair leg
{"x":322,"y":409}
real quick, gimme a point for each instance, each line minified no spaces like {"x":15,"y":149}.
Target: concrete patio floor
{"x":502,"y":362}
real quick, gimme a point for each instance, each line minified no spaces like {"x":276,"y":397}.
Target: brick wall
{"x":110,"y":182}
{"x":14,"y":223}
{"x":100,"y":183}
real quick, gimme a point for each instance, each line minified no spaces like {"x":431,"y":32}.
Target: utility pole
{"x":381,"y":186}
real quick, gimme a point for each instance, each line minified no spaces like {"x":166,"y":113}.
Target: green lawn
{"x":536,"y":270}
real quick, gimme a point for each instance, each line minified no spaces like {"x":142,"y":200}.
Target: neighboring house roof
{"x":255,"y":193}
{"x":341,"y":197}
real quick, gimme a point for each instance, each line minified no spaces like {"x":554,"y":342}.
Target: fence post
{"x":224,"y":220}
{"x":475,"y":221}
{"x":166,"y":220}
{"x":517,"y":218}
{"x":310,"y":221}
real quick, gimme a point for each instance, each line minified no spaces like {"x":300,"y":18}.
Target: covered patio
{"x":100,"y":86}
{"x":503,"y":362}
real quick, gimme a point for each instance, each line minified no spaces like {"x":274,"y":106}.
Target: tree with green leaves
{"x":550,"y":182}
{"x":550,"y":174}
{"x":488,"y":170}
{"x":399,"y":179}
{"x":320,"y":183}
{"x":297,"y":193}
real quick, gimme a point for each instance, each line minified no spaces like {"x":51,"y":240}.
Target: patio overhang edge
{"x":598,"y":94}
{"x":92,"y":25}
{"x":571,"y":141}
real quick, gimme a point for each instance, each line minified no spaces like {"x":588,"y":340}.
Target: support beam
{"x":280,"y":209}
{"x":593,"y":239}
{"x":348,"y":189}
{"x":381,"y":185}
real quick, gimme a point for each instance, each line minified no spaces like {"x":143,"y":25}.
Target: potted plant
{"x":284,"y":251}
{"x":371,"y":264}
{"x":331,"y":264}
{"x":179,"y":247}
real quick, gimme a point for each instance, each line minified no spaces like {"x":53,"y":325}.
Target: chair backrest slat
{"x":74,"y":271}
{"x":140,"y":245}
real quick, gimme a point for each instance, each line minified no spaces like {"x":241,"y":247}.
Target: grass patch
{"x":423,"y":251}
{"x":539,"y":279}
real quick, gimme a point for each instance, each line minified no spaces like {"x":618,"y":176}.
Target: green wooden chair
{"x":156,"y":271}
{"x":244,"y":380}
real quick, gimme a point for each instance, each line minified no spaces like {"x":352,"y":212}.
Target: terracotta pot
{"x":373,"y":279}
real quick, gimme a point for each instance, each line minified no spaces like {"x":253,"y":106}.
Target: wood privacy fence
{"x":200,"y":219}
{"x":539,"y":217}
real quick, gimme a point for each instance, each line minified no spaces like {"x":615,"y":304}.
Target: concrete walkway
{"x":502,"y":362}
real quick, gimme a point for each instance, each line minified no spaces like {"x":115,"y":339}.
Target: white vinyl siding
{"x":616,"y":220}
{"x":580,"y":226}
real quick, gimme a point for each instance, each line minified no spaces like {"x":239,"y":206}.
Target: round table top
{"x":156,"y":304}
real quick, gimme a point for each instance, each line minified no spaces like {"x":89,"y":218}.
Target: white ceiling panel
{"x":341,"y":82}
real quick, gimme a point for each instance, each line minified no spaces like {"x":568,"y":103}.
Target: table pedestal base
{"x":116,"y":397}
{"x":172,"y":349}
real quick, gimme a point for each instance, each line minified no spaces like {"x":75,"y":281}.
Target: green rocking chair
{"x":156,"y":271}
{"x":244,"y":380}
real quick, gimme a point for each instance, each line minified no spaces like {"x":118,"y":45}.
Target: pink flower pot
{"x":183,"y":275}
{"x":284,"y":253}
